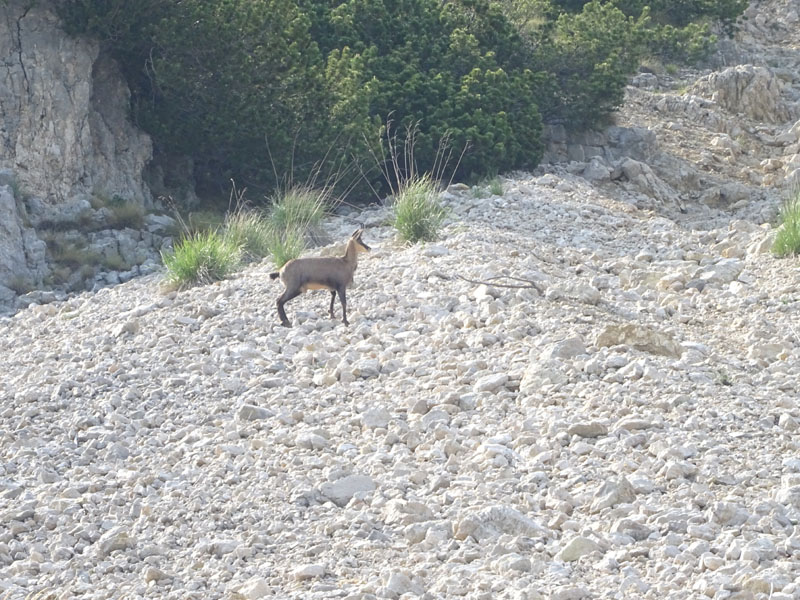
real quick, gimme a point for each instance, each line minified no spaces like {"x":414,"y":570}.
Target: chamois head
{"x":359,"y":243}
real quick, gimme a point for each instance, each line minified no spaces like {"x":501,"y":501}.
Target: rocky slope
{"x":622,"y":425}
{"x":629,"y":431}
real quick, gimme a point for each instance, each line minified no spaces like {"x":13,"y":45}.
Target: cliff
{"x":65,"y":136}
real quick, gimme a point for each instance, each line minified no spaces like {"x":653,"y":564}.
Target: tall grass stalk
{"x":787,"y":240}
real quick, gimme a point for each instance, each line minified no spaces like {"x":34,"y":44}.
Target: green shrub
{"x":787,"y":240}
{"x":203,"y":220}
{"x":418,"y":214}
{"x":454,"y":70}
{"x":278,"y":86}
{"x":591,"y":54}
{"x":496,"y":186}
{"x":68,"y":252}
{"x":257,"y":73}
{"x":678,"y":29}
{"x":20,"y":284}
{"x":201,"y":258}
{"x":114,"y":262}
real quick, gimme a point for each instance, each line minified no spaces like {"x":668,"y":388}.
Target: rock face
{"x":65,"y":138}
{"x":65,"y":129}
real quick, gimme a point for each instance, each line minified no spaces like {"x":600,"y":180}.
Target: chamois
{"x":320,"y":273}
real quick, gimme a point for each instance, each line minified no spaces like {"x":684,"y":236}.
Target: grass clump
{"x":496,"y":186}
{"x":126,"y":214}
{"x":298,"y":207}
{"x":212,"y":248}
{"x":201,"y":258}
{"x":250,"y":230}
{"x":787,"y":240}
{"x":418,"y":215}
{"x":294,"y":213}
{"x":286,"y":244}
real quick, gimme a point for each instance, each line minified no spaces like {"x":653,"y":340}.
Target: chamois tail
{"x":274,"y":275}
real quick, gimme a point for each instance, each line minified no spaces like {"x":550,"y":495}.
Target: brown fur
{"x":320,"y":273}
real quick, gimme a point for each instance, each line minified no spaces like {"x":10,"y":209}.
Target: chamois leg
{"x":343,"y":300}
{"x":333,"y":298}
{"x":283,"y":299}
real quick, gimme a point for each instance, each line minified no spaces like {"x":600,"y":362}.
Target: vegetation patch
{"x":126,"y":214}
{"x":201,"y":258}
{"x":418,"y":214}
{"x":251,"y":230}
{"x":787,"y":240}
{"x":286,"y":244}
{"x":114,"y":262}
{"x":20,"y":284}
{"x":299,"y":207}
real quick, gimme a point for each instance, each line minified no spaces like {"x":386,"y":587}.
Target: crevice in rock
{"x":26,"y":82}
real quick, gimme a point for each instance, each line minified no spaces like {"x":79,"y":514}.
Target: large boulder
{"x":747,"y":89}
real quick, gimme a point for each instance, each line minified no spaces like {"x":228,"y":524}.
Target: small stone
{"x":539,"y":374}
{"x":642,"y":338}
{"x":491,"y":383}
{"x":634,"y":529}
{"x":131,"y":326}
{"x":366,"y":368}
{"x":565,"y":349}
{"x":221,"y":547}
{"x":576,"y":548}
{"x":494,"y":521}
{"x":306,"y":572}
{"x":311,"y":441}
{"x":418,"y":406}
{"x":611,"y":493}
{"x":153,"y":574}
{"x":570,"y":592}
{"x":117,"y":538}
{"x":398,"y":584}
{"x":712,"y":562}
{"x":255,"y":588}
{"x":591,"y":429}
{"x":679,"y":470}
{"x":340,"y":492}
{"x":433,"y":251}
{"x":375,"y":417}
{"x":633,"y":424}
{"x":250,"y":412}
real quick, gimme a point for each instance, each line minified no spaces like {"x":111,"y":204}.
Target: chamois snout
{"x":320,"y":273}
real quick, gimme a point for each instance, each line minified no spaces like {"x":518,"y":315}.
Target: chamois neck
{"x":351,"y":253}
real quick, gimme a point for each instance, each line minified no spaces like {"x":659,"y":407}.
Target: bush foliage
{"x":268,"y":90}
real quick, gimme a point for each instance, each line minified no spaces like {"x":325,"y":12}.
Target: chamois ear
{"x":357,"y":233}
